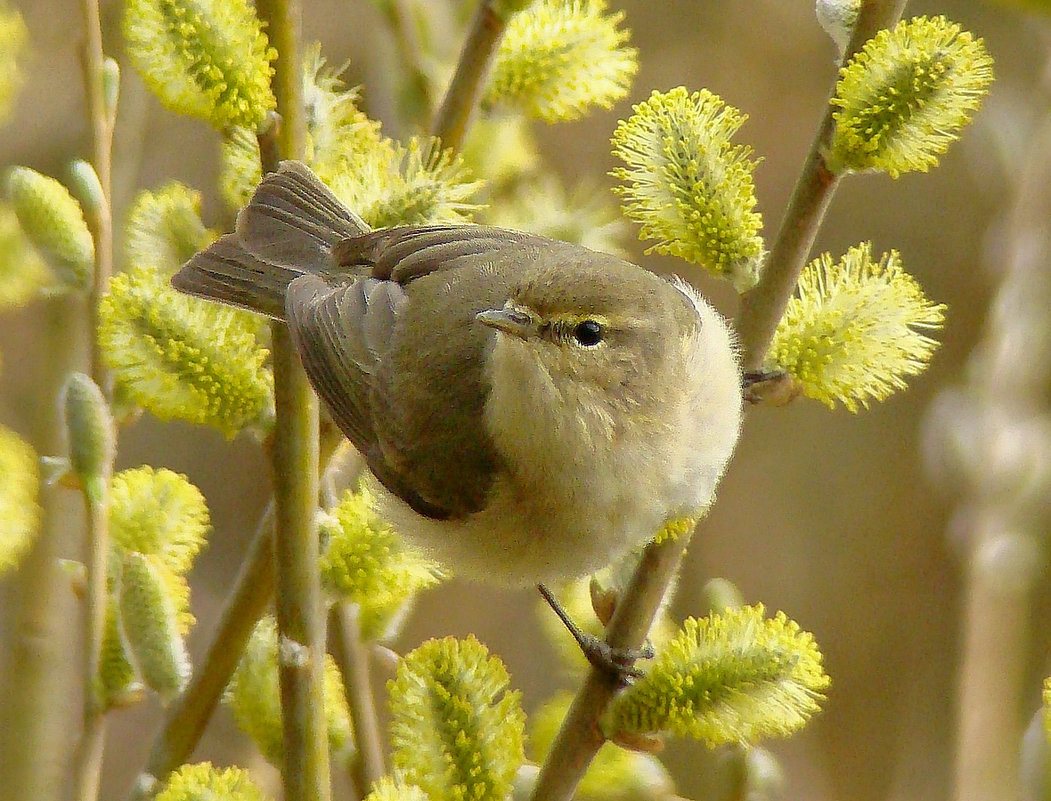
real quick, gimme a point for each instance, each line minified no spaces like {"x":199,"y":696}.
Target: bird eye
{"x":588,"y":333}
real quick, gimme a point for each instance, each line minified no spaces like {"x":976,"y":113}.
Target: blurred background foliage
{"x":827,"y":516}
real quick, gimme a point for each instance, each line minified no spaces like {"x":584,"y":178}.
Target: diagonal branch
{"x":763,"y":306}
{"x":468,"y":82}
{"x":580,"y":738}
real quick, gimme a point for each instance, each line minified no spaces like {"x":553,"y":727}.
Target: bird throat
{"x":551,"y":431}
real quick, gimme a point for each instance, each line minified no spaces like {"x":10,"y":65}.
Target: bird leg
{"x":616,"y":662}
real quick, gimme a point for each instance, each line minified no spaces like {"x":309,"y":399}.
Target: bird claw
{"x":619,"y":663}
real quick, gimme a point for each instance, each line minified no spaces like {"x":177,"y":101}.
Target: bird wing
{"x":384,"y":369}
{"x":405,"y":253}
{"x":341,"y":333}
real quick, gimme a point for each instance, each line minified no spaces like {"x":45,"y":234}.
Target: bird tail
{"x":287,"y":229}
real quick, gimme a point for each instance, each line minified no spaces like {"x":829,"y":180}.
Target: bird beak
{"x":511,"y":320}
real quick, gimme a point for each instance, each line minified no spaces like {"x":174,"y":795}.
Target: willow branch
{"x":284,"y":28}
{"x":190,"y":712}
{"x":993,"y":663}
{"x":102,"y":113}
{"x":580,"y":738}
{"x":301,"y":624}
{"x":35,"y":686}
{"x":87,"y":762}
{"x":468,"y":82}
{"x":352,"y":656}
{"x":763,"y":306}
{"x":253,"y":590}
{"x":294,"y":456}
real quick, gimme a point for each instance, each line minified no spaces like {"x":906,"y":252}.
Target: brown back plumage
{"x":298,"y":255}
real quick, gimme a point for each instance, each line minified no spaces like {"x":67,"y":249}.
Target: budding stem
{"x":763,"y":306}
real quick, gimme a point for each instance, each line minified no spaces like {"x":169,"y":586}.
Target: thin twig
{"x":580,"y":738}
{"x":465,"y":89}
{"x":35,"y":686}
{"x":763,"y":306}
{"x":996,"y":637}
{"x":102,"y":123}
{"x":87,"y":764}
{"x":190,"y":712}
{"x":301,"y":624}
{"x":294,"y":456}
{"x":284,"y":27}
{"x":352,"y":656}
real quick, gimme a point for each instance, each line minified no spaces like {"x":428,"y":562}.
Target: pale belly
{"x":522,"y":541}
{"x":561,"y":523}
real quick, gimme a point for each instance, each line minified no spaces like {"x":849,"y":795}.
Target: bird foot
{"x":618,"y":663}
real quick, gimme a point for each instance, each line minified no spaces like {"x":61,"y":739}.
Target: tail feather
{"x":288,"y":228}
{"x":230,"y":274}
{"x":295,"y":220}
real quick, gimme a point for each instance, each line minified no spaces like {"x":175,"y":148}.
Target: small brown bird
{"x":532,"y":409}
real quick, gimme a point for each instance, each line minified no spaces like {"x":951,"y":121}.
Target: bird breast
{"x":578,"y":489}
{"x":571,"y":440}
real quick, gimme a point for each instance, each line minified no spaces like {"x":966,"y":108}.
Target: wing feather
{"x":329,"y":327}
{"x":406,"y":253}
